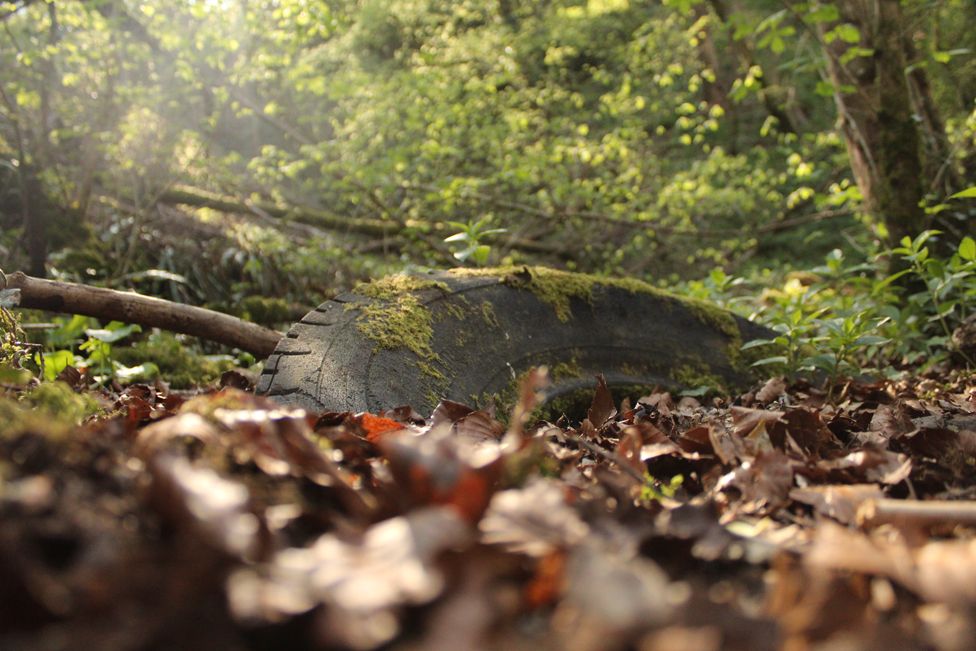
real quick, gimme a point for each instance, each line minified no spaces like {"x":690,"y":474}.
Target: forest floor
{"x":218,"y":520}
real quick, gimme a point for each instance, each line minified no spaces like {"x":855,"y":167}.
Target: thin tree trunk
{"x":876,"y":118}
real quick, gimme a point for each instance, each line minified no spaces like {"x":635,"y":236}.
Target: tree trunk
{"x":876,"y":117}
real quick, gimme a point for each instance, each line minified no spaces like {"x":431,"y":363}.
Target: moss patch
{"x":488,"y":313}
{"x":558,"y":288}
{"x":51,"y":408}
{"x":694,"y":374}
{"x":398,"y":319}
{"x":181,"y":367}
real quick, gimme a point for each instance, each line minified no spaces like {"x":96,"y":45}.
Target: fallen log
{"x":130,"y":307}
{"x":183,"y":195}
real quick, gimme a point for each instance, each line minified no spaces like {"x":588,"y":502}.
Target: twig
{"x":918,"y":512}
{"x":609,"y":456}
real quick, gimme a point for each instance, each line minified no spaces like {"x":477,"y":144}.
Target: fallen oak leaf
{"x":476,"y":426}
{"x":278,"y":440}
{"x":872,"y":465}
{"x":610,"y":600}
{"x":754,"y":424}
{"x":772,"y":390}
{"x":893,"y":421}
{"x":938,"y":571}
{"x":436,"y":467}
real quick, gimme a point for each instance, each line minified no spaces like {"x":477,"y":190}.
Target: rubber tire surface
{"x":326,"y":363}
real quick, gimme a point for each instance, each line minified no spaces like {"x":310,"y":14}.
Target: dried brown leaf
{"x":534,"y":520}
{"x":840,"y":502}
{"x":773,"y":389}
{"x":199,"y":499}
{"x":362,"y":584}
{"x":160,"y":435}
{"x":602,"y":408}
{"x":611,"y":600}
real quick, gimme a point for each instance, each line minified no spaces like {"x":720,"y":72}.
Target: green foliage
{"x":853,"y":318}
{"x":471,"y":236}
{"x":656,"y":490}
{"x":174,"y":359}
{"x":646,"y":140}
{"x":13,"y":346}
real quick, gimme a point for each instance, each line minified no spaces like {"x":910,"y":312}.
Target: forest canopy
{"x":658,"y":139}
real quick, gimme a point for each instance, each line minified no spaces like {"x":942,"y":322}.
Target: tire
{"x":485,"y":330}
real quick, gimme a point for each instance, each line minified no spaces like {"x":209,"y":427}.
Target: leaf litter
{"x":221,"y":520}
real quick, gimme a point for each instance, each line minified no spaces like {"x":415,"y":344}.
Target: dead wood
{"x":376,"y":228}
{"x":130,"y":307}
{"x":918,"y":512}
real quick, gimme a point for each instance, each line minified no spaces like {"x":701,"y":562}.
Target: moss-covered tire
{"x":470,"y":336}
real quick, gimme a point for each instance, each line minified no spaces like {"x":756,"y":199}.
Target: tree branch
{"x":149,"y":311}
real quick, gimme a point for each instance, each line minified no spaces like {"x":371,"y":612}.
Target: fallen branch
{"x":129,"y":307}
{"x":196,"y":198}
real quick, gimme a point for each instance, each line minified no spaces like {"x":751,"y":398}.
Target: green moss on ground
{"x":265,"y":310}
{"x":182,"y":367}
{"x":51,"y":408}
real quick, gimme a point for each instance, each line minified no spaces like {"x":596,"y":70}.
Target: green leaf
{"x":823,"y":14}
{"x":756,"y":343}
{"x":54,"y":362}
{"x":854,"y":52}
{"x":110,"y":334}
{"x":142,"y":372}
{"x":968,"y":193}
{"x":871,"y":340}
{"x":967,"y":248}
{"x":848,"y":33}
{"x":824,"y":88}
{"x":779,"y":359}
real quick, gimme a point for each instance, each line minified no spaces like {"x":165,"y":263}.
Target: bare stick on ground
{"x":149,"y":311}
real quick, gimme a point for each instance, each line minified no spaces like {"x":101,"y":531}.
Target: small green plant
{"x":13,"y":350}
{"x":657,"y":490}
{"x":856,"y":317}
{"x":470,"y":237}
{"x":948,"y":287}
{"x":846,"y":341}
{"x":98,"y":350}
{"x":797,"y":341}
